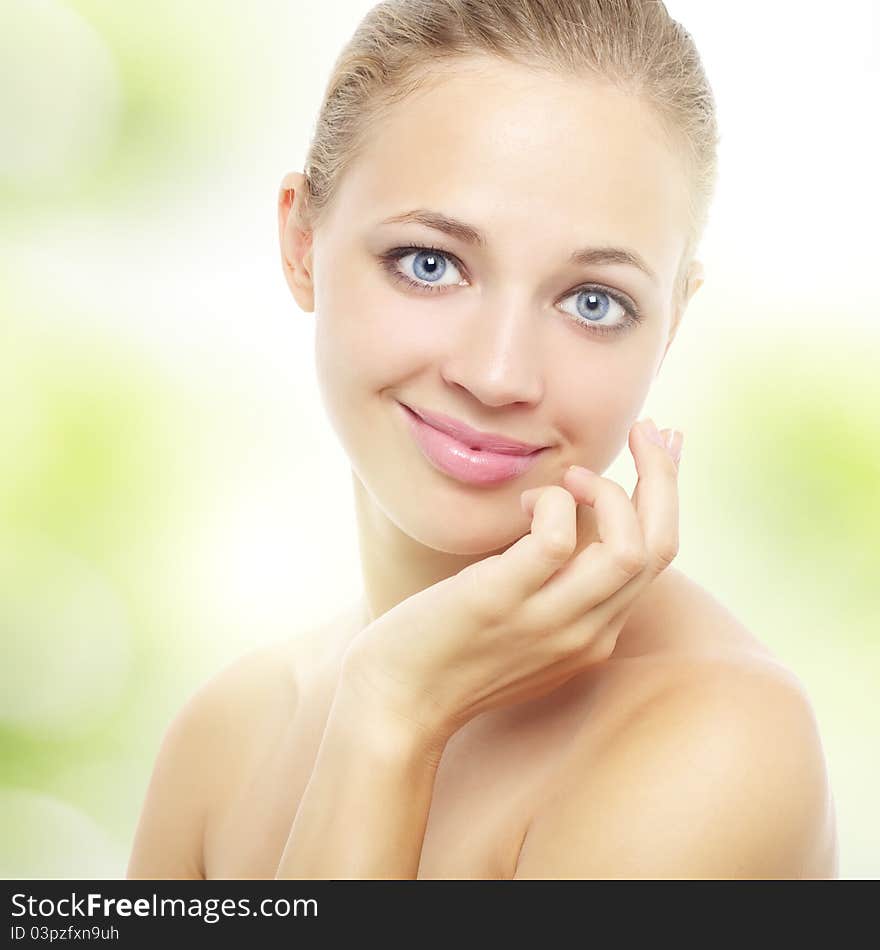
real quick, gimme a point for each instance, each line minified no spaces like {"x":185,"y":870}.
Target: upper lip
{"x":474,"y":438}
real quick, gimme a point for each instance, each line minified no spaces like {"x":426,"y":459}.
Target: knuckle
{"x":575,"y":640}
{"x":604,"y":642}
{"x":632,"y":559}
{"x":587,"y":643}
{"x":666,"y":553}
{"x":602,"y":647}
{"x":539,"y":617}
{"x":557,"y":545}
{"x":487,"y":607}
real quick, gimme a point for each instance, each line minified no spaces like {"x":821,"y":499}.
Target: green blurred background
{"x":157,"y":512}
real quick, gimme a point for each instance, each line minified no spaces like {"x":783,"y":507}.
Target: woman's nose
{"x":497,"y":356}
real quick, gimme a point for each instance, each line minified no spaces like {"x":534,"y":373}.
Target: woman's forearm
{"x":365,"y":808}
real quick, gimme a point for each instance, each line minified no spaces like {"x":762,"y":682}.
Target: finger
{"x":657,"y":494}
{"x":536,"y":556}
{"x":656,"y":503}
{"x":666,"y":435}
{"x":604,"y":566}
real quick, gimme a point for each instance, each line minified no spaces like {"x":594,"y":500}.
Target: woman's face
{"x":542,"y":167}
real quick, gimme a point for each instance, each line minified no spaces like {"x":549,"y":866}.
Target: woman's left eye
{"x":593,"y":302}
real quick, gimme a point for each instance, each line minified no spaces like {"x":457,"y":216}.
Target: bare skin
{"x":238,"y":781}
{"x":689,"y":751}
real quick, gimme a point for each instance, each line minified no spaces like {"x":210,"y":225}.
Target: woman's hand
{"x":514,"y":626}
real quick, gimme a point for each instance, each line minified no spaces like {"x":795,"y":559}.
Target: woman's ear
{"x":694,"y":279}
{"x":295,"y":240}
{"x":693,"y":283}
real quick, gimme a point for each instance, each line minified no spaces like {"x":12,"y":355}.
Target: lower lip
{"x":463,"y":463}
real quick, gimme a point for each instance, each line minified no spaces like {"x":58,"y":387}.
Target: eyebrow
{"x":472,"y":235}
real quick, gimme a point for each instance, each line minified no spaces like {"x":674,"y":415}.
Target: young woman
{"x":496,"y":232}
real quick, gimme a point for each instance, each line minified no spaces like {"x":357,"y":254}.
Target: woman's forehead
{"x":543,"y":150}
{"x":550,"y":157}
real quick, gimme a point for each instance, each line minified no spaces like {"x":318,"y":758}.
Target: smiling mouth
{"x":479,"y":442}
{"x":455,"y":458}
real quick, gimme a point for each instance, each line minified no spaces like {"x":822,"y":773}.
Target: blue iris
{"x":435,"y":267}
{"x":592,"y":297}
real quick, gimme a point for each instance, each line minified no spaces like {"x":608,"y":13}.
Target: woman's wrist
{"x":395,"y":727}
{"x":364,"y":810}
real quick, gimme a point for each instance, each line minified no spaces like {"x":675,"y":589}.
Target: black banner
{"x":139,"y":913}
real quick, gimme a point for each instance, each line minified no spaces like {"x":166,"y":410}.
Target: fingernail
{"x":651,"y":432}
{"x":673,"y":445}
{"x":581,"y":470}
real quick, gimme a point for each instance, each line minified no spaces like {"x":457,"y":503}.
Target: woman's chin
{"x":456,"y":534}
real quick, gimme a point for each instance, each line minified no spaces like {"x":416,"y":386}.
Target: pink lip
{"x":473,"y":466}
{"x":473,"y":438}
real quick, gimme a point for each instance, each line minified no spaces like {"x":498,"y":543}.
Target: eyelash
{"x":390,"y":258}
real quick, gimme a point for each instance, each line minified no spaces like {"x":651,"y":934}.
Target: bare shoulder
{"x":225,"y":727}
{"x":204,"y":750}
{"x":261,"y":686}
{"x":242,"y":695}
{"x":712,"y":768}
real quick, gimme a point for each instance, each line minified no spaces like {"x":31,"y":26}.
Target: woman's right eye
{"x":428,"y":265}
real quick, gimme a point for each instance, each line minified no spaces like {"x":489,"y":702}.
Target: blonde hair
{"x":633,"y":45}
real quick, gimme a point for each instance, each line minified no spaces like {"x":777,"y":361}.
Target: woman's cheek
{"x":598,"y":394}
{"x":404,"y":339}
